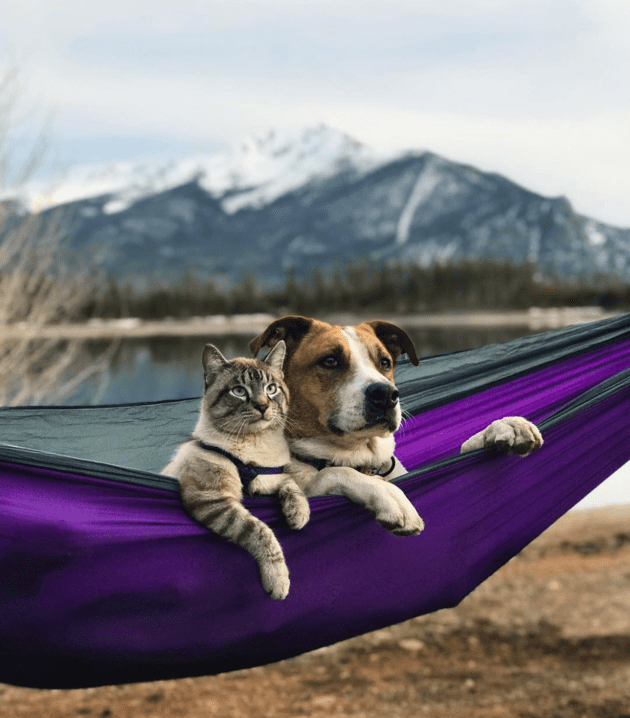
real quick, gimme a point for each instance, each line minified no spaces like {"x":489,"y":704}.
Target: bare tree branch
{"x":37,"y":287}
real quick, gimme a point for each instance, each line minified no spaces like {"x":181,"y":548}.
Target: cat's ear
{"x":276,"y":356}
{"x":212,"y":361}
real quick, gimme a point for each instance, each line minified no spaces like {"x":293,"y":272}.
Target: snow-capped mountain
{"x":251,"y":174}
{"x":289,"y":202}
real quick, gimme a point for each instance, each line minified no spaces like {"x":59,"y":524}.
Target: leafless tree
{"x":37,"y":289}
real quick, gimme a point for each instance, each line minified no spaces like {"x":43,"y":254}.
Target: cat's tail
{"x":226,"y":516}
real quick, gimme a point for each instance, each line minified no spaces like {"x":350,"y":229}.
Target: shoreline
{"x":533,"y":319}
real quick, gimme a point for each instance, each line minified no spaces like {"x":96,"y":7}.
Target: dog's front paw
{"x":512,"y":435}
{"x":395,"y":512}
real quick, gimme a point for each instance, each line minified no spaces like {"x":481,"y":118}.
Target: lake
{"x":163,"y":368}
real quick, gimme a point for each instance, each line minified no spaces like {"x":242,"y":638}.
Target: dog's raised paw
{"x":511,"y":435}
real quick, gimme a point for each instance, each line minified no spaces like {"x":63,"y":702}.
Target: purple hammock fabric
{"x":432,"y":435}
{"x":105,"y":582}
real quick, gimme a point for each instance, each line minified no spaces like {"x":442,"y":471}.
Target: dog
{"x":345,"y":408}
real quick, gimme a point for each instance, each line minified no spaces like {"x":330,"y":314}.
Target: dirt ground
{"x":548,"y":636}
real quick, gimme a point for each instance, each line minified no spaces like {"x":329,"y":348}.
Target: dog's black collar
{"x":392,"y":466}
{"x":320,"y":464}
{"x":247,"y":472}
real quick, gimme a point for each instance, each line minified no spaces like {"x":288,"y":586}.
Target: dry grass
{"x":35,"y":293}
{"x":36,"y":289}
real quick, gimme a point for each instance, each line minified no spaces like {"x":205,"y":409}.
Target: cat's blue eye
{"x":239,"y":391}
{"x":271,"y":389}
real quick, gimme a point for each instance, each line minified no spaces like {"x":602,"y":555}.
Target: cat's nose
{"x":262,"y":408}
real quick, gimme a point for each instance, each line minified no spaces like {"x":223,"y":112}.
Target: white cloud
{"x":533,"y":89}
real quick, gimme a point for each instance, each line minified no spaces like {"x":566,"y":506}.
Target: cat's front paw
{"x":295,"y":506}
{"x":275,"y":580}
{"x":512,"y":435}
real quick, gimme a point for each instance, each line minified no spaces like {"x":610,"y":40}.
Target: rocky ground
{"x":548,"y":636}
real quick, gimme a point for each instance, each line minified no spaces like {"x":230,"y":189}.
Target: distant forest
{"x":367,"y":286}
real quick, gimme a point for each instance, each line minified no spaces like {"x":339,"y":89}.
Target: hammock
{"x":105,"y":579}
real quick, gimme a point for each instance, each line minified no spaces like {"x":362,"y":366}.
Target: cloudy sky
{"x":534,"y":89}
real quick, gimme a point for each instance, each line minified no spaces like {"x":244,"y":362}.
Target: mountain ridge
{"x":289,"y":203}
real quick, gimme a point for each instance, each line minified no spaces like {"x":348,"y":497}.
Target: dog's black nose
{"x":381,"y":396}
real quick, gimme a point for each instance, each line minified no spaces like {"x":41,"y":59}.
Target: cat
{"x":240,"y":428}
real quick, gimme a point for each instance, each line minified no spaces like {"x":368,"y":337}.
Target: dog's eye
{"x":239,"y":391}
{"x":271,"y":389}
{"x":386,"y":364}
{"x":329,"y":362}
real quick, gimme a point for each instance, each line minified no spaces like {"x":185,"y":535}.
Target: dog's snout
{"x":381,"y":396}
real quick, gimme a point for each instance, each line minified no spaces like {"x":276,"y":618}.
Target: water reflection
{"x":170,"y":367}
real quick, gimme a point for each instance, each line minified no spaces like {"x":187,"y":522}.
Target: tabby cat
{"x":239,"y":441}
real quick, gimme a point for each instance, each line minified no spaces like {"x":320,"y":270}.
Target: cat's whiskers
{"x":242,"y":428}
{"x":233,"y":426}
{"x":290,"y":425}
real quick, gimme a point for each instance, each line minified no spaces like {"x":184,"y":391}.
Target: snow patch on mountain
{"x":260,"y":171}
{"x":250,"y":175}
{"x":427,"y":182}
{"x":123,"y":181}
{"x":594,"y":233}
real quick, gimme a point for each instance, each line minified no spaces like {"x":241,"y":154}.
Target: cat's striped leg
{"x":225,"y":515}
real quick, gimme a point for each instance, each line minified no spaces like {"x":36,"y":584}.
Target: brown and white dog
{"x":345,"y":408}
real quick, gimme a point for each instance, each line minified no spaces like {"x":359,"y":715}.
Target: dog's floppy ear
{"x":395,"y":339}
{"x":291,"y":329}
